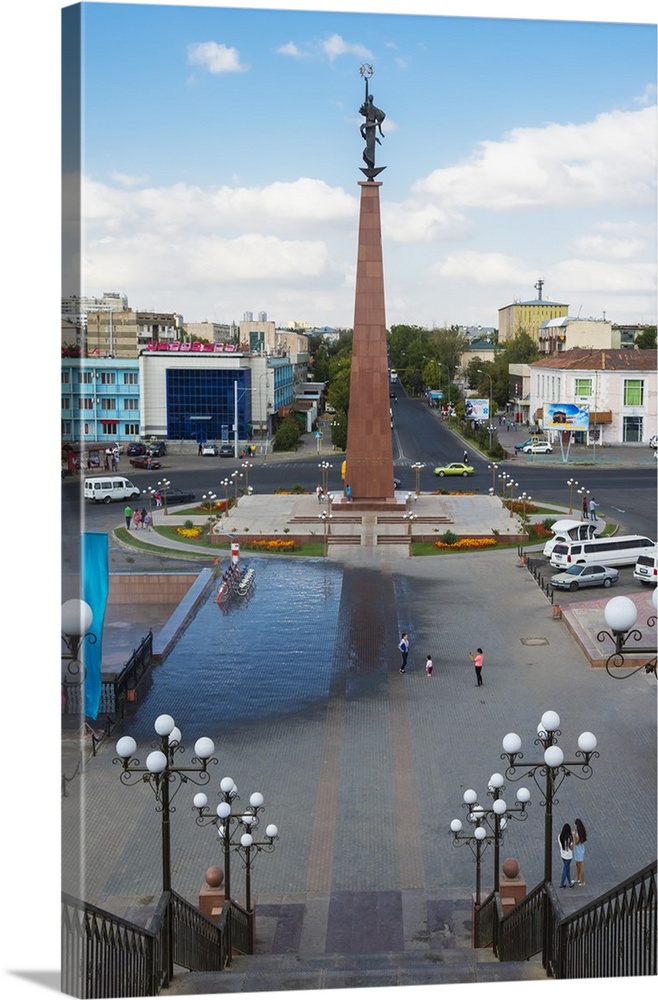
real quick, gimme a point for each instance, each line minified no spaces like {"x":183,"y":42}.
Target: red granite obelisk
{"x":369,"y":457}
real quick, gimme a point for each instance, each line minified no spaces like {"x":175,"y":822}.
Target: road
{"x":626,"y":495}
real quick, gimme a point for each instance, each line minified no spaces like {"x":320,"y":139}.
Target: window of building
{"x":130,"y":378}
{"x":84,"y":378}
{"x":66,"y":377}
{"x":130,"y":430}
{"x":583,"y":387}
{"x":66,"y":402}
{"x":108,"y":404}
{"x":87,"y":429}
{"x":66,"y":428}
{"x":108,"y":378}
{"x":633,"y":392}
{"x":130,"y":404}
{"x":632,"y":428}
{"x":108,"y":427}
{"x":85,"y":403}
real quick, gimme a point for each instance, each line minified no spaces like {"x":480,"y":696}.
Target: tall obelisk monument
{"x":369,"y":457}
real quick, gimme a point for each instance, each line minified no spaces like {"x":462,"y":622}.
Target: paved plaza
{"x":364,"y":777}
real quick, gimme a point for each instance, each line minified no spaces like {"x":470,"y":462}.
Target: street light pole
{"x":571,"y":483}
{"x":620,"y":615}
{"x":418,"y":467}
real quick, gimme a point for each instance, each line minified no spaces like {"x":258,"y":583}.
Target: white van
{"x":621,"y":551}
{"x":108,"y":487}
{"x":568,"y":530}
{"x":646,"y":567}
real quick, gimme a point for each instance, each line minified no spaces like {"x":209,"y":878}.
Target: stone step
{"x":267,"y":973}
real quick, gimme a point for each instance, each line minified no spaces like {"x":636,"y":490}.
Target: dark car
{"x":136,"y":448}
{"x":227,"y":451}
{"x":157,"y":449}
{"x":145,"y":462}
{"x":174,"y":495}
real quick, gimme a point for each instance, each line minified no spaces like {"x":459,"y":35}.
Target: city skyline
{"x":221,"y":177}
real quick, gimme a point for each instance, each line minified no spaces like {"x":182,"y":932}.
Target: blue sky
{"x":221,"y":161}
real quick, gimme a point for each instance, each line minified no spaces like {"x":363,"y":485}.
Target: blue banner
{"x":95,"y":587}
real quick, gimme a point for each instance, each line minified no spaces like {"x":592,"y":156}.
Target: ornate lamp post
{"x":208,"y":500}
{"x":512,"y":486}
{"x":226,"y":483}
{"x":237,"y":832}
{"x":410,"y":518}
{"x":552,"y":768}
{"x":324,"y":469}
{"x":493,"y":468}
{"x":504,"y":479}
{"x":418,"y":468}
{"x":246,"y":466}
{"x":165,"y":486}
{"x":620,"y":615}
{"x":236,"y":477}
{"x":165,"y":777}
{"x":150,"y":495}
{"x":526,"y":498}
{"x":483,"y":818}
{"x":77,"y":620}
{"x":571,"y":483}
{"x":325,"y":518}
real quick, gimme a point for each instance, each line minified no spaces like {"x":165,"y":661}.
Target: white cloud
{"x":603,"y":277}
{"x":486,"y":269}
{"x":611,"y":158}
{"x":598,"y":245}
{"x":336,"y":45}
{"x":290,"y":49}
{"x":215,"y":57}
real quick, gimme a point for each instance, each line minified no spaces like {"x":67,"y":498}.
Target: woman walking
{"x":565,"y":840}
{"x":579,"y":838}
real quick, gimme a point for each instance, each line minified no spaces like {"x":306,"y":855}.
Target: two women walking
{"x":572,"y":847}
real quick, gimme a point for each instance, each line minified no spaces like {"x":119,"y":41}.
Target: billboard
{"x":566,"y":416}
{"x":476,"y":409}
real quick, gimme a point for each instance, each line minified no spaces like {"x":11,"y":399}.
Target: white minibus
{"x":109,"y":487}
{"x":612,"y":551}
{"x":568,"y":530}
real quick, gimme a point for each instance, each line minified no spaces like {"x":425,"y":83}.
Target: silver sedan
{"x":585,"y":576}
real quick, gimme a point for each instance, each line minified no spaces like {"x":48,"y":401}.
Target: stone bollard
{"x":513,"y":887}
{"x":211,"y":894}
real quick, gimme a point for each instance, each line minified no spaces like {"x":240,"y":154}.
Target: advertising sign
{"x":566,"y":416}
{"x":476,"y":409}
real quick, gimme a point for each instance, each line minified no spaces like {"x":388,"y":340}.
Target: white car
{"x":209,"y":449}
{"x":541,"y":448}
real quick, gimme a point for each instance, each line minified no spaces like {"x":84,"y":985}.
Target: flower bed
{"x":193,"y":532}
{"x":269,"y":544}
{"x":467,"y":543}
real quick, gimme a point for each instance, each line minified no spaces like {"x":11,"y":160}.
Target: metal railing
{"x":115,"y":693}
{"x":106,"y":956}
{"x":614,"y":935}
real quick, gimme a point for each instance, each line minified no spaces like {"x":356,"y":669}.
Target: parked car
{"x":174,"y":495}
{"x":585,"y":576}
{"x":136,"y":448}
{"x":145,"y":462}
{"x":653,"y":441}
{"x":156,"y":449}
{"x":646,"y":568}
{"x":454,"y":469}
{"x":209,"y":449}
{"x":396,"y":484}
{"x":541,"y":448}
{"x":227,"y":451}
{"x":524,"y":444}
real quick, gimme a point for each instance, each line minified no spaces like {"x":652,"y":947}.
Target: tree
{"x":646,"y":341}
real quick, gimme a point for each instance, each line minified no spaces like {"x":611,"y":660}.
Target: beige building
{"x":124,"y":333}
{"x":566,"y":333}
{"x":528,"y":317}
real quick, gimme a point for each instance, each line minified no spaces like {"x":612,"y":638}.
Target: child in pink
{"x":429,"y":666}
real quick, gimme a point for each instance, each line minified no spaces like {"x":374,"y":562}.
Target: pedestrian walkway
{"x":364,"y":780}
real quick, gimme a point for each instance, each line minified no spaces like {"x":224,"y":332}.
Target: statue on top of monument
{"x":374,"y":117}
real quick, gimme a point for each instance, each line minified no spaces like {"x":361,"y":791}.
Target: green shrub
{"x":448,"y":537}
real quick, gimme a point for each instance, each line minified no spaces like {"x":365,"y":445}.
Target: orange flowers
{"x":467,"y":543}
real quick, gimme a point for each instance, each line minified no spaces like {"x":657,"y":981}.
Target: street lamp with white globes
{"x":77,"y":620}
{"x":163,"y":775}
{"x":237,"y":831}
{"x":620,"y":615}
{"x":552,"y":768}
{"x":491,"y":822}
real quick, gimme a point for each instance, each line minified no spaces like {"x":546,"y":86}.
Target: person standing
{"x":319,"y":491}
{"x":585,"y":508}
{"x":478,"y":659}
{"x":128,"y":513}
{"x":465,"y":459}
{"x":565,"y":840}
{"x":592,"y":509}
{"x":142,"y":518}
{"x":147,"y":521}
{"x":579,"y":838}
{"x":348,"y":492}
{"x":429,"y":666}
{"x":136,"y":519}
{"x":158,"y":499}
{"x":403,"y":646}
